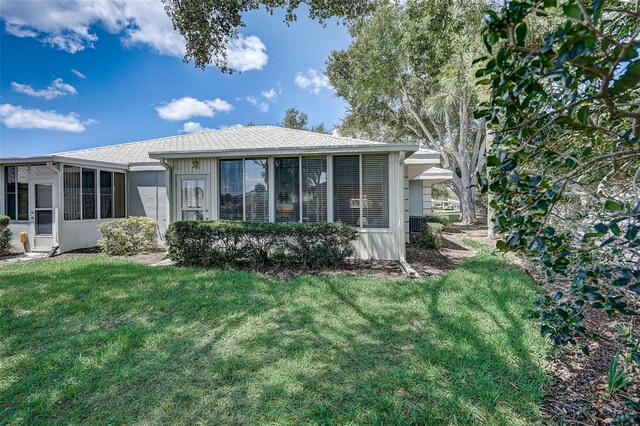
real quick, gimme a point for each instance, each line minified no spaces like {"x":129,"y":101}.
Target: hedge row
{"x":135,"y":234}
{"x":221,"y":243}
{"x":5,"y":235}
{"x":431,"y":235}
{"x":440,"y":218}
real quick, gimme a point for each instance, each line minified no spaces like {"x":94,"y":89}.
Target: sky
{"x":81,"y":73}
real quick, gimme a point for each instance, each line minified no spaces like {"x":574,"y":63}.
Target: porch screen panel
{"x":346,"y":189}
{"x":23,"y":192}
{"x":10,"y":192}
{"x":88,"y":193}
{"x":287,"y":189}
{"x":106,"y":195}
{"x":119,"y":195}
{"x":256,"y":197}
{"x":231,"y":189}
{"x":314,"y":189}
{"x":71,"y":193}
{"x":375,"y":191}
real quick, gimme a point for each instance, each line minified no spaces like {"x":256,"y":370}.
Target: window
{"x":346,"y":189}
{"x":72,"y":195}
{"x":361,"y":191}
{"x":88,"y":193}
{"x":287,"y":189}
{"x":231,"y":189}
{"x":106,"y":195}
{"x":375,"y":191}
{"x":314,"y":189}
{"x":112,"y":195}
{"x":17,"y":192}
{"x":193,"y":199}
{"x":256,"y":196}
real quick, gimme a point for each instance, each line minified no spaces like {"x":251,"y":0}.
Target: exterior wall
{"x":426,"y":199}
{"x":148,"y":196}
{"x":415,"y":198}
{"x":386,"y":243}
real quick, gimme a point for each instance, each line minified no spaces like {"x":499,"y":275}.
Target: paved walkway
{"x":22,"y":258}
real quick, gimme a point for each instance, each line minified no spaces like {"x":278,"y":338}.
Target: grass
{"x":109,"y":341}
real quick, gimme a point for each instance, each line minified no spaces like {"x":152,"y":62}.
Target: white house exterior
{"x":261,"y":173}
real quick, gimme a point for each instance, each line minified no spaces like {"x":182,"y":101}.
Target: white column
{"x":330,"y":188}
{"x":426,"y":199}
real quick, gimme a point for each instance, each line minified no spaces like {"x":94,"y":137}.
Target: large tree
{"x":296,"y":119}
{"x":408,"y":75}
{"x":209,"y":25}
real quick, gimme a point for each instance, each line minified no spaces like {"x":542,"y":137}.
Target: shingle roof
{"x":228,"y":139}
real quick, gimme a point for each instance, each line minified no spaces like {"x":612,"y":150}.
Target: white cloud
{"x":270,"y":94}
{"x":78,"y":74}
{"x":187,"y":107}
{"x":193,"y":127}
{"x":261,"y":105}
{"x":246,"y":53}
{"x":70,"y":25}
{"x":18,"y":117}
{"x":313,"y":81}
{"x":56,"y":89}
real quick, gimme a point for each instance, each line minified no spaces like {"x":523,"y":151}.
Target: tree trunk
{"x":465,"y":193}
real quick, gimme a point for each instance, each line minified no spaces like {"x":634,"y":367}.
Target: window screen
{"x":192,"y":198}
{"x":72,"y":195}
{"x":314,"y":189}
{"x":106,"y":195}
{"x":375,"y":191}
{"x":88,"y":193}
{"x":256,"y":184}
{"x":119,"y":195}
{"x":287,"y":189}
{"x":346,"y":189}
{"x":10,"y":192}
{"x":231,"y":189}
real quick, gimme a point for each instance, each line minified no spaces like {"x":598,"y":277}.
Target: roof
{"x":435,"y":175}
{"x":229,"y":140}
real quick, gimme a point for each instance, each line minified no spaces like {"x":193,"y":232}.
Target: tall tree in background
{"x":209,"y":25}
{"x":408,"y":75}
{"x":295,"y":119}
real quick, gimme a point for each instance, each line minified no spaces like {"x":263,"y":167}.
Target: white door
{"x":42,"y":214}
{"x":192,"y":196}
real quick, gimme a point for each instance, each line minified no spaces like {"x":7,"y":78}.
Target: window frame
{"x":97,"y":194}
{"x":243,"y":161}
{"x":113,"y":195}
{"x":187,"y":177}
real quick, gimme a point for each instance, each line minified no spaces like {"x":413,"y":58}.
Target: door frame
{"x":178,"y":194}
{"x":32,"y":207}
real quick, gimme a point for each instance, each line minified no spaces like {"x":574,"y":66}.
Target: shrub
{"x":128,"y":236}
{"x":221,"y":243}
{"x":431,"y":235}
{"x":440,"y":218}
{"x":5,"y":235}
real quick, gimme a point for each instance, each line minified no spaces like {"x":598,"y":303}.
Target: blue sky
{"x":129,"y":81}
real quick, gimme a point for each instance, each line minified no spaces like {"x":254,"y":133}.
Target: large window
{"x":287,"y":189}
{"x":314,"y":189}
{"x":81,"y":191}
{"x":244,"y":189}
{"x":112,"y":195}
{"x":361,"y":191}
{"x":88,"y":193}
{"x":16,"y":180}
{"x":231,"y":190}
{"x":256,"y":196}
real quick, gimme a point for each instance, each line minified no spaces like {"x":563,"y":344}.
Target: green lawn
{"x":110,"y":341}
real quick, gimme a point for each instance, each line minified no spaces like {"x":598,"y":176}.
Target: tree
{"x":408,"y":76}
{"x":294,"y":119}
{"x":566,"y":156}
{"x":209,"y":25}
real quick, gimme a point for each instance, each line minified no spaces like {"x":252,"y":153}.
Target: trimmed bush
{"x":128,"y":236}
{"x":431,"y":235}
{"x":440,"y":218}
{"x":5,"y":235}
{"x":222,"y":243}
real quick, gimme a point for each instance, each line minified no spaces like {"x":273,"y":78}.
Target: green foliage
{"x":209,"y":25}
{"x":437,"y":217}
{"x":431,"y":235}
{"x":110,"y":341}
{"x":566,"y":116}
{"x":616,"y":379}
{"x":294,"y":119}
{"x":5,"y":235}
{"x":223,"y":243}
{"x":128,"y":236}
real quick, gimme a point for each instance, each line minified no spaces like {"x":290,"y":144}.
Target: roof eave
{"x":286,"y":151}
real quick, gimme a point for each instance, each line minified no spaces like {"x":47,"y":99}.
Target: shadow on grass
{"x":101,"y":341}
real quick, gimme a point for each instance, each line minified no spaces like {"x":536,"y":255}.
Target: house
{"x":260,"y":173}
